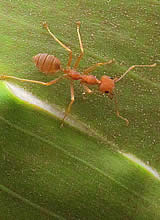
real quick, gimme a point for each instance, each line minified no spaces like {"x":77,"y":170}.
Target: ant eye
{"x":106,"y":92}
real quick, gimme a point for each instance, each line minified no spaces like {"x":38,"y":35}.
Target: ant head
{"x":107,"y":86}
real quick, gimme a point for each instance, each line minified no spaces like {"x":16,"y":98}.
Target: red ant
{"x":50,"y":64}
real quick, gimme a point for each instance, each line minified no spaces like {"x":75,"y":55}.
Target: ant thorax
{"x":90,"y":80}
{"x":73,"y":74}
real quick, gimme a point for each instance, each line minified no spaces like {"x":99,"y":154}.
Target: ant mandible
{"x":50,"y":64}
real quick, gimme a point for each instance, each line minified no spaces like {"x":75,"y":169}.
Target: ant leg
{"x":81,"y":47}
{"x":5,"y":77}
{"x":91,"y":68}
{"x":87,"y":89}
{"x":132,"y":67}
{"x":117,"y":111}
{"x":70,"y":104}
{"x":45,"y":25}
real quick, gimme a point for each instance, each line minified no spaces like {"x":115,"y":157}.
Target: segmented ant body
{"x":46,"y":63}
{"x":50,"y":64}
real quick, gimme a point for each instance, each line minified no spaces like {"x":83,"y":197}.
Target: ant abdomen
{"x":46,"y":63}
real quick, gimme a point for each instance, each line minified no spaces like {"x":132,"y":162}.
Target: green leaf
{"x":89,"y":168}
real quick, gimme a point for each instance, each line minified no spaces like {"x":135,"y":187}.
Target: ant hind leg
{"x":45,"y":25}
{"x":5,"y":77}
{"x":81,"y":47}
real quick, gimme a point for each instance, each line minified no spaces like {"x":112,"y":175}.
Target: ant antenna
{"x":132,"y":67}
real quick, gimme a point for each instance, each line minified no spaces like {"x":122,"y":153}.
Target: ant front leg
{"x":117,"y":111}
